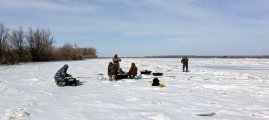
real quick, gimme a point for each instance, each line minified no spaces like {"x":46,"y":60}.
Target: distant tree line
{"x":35,"y":45}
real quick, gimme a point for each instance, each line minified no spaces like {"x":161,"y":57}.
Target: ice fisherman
{"x":156,"y":82}
{"x":132,"y":71}
{"x":185,"y":62}
{"x":116,"y":61}
{"x":112,"y":70}
{"x":62,"y":78}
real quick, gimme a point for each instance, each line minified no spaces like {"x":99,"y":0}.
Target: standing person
{"x":185,"y":61}
{"x":116,"y":61}
{"x":133,"y":71}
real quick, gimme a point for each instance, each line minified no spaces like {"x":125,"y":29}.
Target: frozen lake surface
{"x":219,"y":89}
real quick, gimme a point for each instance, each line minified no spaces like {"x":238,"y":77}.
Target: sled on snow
{"x":120,"y":76}
{"x":146,"y":72}
{"x":157,"y":74}
{"x":206,"y":114}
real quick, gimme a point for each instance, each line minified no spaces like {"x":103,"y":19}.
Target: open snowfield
{"x":221,"y":89}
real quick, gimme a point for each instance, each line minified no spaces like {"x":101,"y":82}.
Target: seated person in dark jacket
{"x":63,"y":79}
{"x":156,"y":82}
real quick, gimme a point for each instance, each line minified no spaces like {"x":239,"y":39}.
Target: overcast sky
{"x":148,"y":27}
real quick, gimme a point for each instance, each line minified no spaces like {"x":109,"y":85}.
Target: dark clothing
{"x":61,"y":74}
{"x":185,"y":62}
{"x":112,"y":70}
{"x":117,"y":65}
{"x":185,"y":66}
{"x":64,"y":79}
{"x":116,"y":61}
{"x":132,"y":72}
{"x":156,"y":82}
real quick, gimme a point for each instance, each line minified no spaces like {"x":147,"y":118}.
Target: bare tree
{"x":66,"y":52}
{"x":36,"y":45}
{"x":3,"y":43}
{"x":40,"y":43}
{"x":76,"y":53}
{"x":18,"y":44}
{"x":89,"y":52}
{"x":70,"y":52}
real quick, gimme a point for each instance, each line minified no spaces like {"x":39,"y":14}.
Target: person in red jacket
{"x":133,"y":71}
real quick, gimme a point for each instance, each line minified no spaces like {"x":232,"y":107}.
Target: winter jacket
{"x":116,"y":60}
{"x":184,"y":60}
{"x":133,"y":70}
{"x":61,"y":73}
{"x":112,"y":69}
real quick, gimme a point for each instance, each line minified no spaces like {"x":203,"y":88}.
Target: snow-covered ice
{"x":219,"y":89}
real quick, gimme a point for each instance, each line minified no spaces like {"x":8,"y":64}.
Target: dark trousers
{"x":68,"y":82}
{"x":131,"y":76}
{"x":62,"y":82}
{"x":185,"y":66}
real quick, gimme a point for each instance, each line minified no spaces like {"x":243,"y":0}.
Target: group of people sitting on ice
{"x":62,"y":78}
{"x":114,"y":69}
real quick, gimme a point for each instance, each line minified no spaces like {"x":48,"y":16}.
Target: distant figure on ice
{"x":185,"y":61}
{"x":132,"y":71}
{"x":156,"y":82}
{"x":116,"y":61}
{"x":64,"y":79}
{"x":112,"y":70}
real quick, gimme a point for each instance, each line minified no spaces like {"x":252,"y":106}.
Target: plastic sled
{"x":157,"y":74}
{"x":146,"y":72}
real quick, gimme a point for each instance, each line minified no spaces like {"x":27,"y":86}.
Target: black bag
{"x":155,"y":82}
{"x":72,"y":82}
{"x":146,"y":72}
